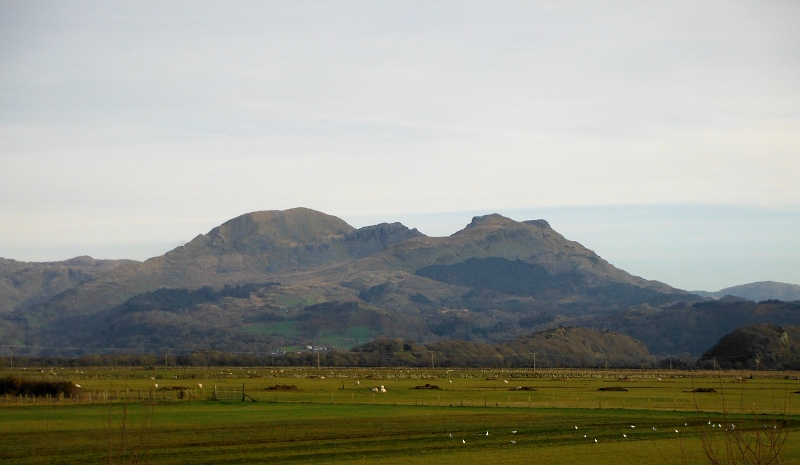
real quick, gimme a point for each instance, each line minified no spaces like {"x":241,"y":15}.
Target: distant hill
{"x":24,"y":284}
{"x":691,"y":329}
{"x":764,"y":347}
{"x":301,"y":277}
{"x":763,"y":290}
{"x":556,"y":347}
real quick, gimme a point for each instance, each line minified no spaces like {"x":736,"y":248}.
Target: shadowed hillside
{"x":764,"y":347}
{"x":557,"y":347}
{"x":692,"y":329}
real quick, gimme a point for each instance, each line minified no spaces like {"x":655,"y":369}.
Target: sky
{"x":663,"y":135}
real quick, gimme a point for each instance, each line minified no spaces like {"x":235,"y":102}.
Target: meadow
{"x":333,"y":416}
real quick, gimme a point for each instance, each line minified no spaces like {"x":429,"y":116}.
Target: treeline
{"x":338,"y":358}
{"x":555,"y":348}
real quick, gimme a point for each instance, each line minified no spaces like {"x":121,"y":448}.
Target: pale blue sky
{"x":656,"y":133}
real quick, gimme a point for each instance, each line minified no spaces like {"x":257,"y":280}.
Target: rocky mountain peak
{"x":257,"y":232}
{"x":491,"y":221}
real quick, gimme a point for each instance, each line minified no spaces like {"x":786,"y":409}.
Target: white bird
{"x":358,"y":382}
{"x":463,"y":441}
{"x":77,"y":385}
{"x":505,"y":381}
{"x":200,"y":385}
{"x":584,"y":435}
{"x":487,"y":433}
{"x":576,"y":426}
{"x":451,"y":435}
{"x":513,"y":442}
{"x":514,"y":432}
{"x":624,"y":435}
{"x":595,"y":440}
{"x":632,"y":426}
{"x":654,"y":429}
{"x":676,"y":431}
{"x":156,"y":385}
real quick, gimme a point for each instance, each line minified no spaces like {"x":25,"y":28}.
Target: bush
{"x":14,"y":386}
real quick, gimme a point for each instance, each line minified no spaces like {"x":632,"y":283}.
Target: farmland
{"x":328,"y":415}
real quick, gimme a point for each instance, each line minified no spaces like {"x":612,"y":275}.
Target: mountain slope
{"x":498,"y":236}
{"x":498,"y":263}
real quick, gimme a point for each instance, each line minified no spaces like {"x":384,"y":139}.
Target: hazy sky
{"x":663,"y":135}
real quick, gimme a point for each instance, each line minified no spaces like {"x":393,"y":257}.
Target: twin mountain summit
{"x":282,"y":279}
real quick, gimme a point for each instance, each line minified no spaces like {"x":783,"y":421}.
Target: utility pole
{"x":166,"y":357}
{"x":317,"y":360}
{"x":432,"y":367}
{"x":534,"y":362}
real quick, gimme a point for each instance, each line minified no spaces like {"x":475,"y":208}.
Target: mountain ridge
{"x":758,"y":291}
{"x":494,"y":280}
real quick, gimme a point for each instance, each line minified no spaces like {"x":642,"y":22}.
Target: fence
{"x":230,"y":393}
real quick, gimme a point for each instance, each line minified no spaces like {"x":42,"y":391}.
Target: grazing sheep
{"x":383,"y":389}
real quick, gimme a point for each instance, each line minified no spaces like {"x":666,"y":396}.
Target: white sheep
{"x":374,"y":389}
{"x":383,"y":389}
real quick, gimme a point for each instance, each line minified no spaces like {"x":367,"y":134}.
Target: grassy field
{"x":333,"y":416}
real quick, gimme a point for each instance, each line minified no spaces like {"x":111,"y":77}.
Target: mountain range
{"x":283,"y":279}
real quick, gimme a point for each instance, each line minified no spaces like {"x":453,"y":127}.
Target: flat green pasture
{"x":332,"y":416}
